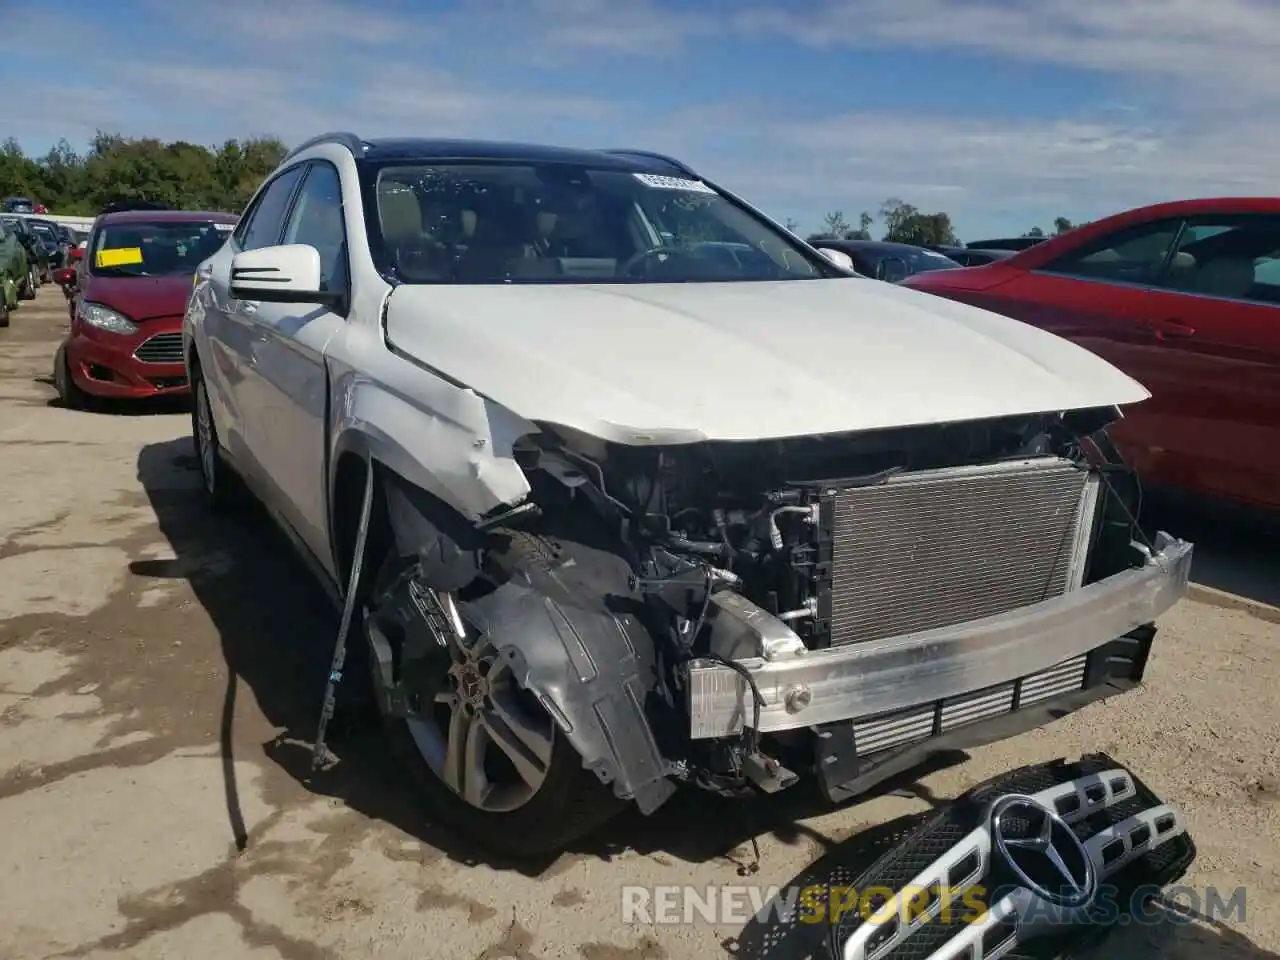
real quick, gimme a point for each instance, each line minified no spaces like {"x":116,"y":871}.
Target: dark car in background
{"x":18,"y":205}
{"x":128,"y":297}
{"x":16,"y":277}
{"x":56,"y":246}
{"x":37,"y":255}
{"x":891,"y":262}
{"x":1006,"y":243}
{"x":971,"y":256}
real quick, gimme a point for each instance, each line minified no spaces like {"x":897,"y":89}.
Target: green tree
{"x":178,"y":174}
{"x":1034,"y":232}
{"x":904,"y":223}
{"x":835,"y":226}
{"x":864,"y":227}
{"x":1061,"y":225}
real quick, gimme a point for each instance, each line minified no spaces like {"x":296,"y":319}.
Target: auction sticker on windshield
{"x":119,"y":257}
{"x":224,"y":227}
{"x":672,"y":183}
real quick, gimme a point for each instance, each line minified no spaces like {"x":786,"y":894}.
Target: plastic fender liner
{"x":572,"y":642}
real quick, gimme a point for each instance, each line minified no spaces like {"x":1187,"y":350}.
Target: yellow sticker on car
{"x":119,"y":257}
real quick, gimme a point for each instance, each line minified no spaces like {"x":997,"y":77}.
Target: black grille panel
{"x":936,"y":548}
{"x":162,"y":348}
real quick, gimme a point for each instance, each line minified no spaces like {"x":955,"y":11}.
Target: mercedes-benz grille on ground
{"x":1030,"y":864}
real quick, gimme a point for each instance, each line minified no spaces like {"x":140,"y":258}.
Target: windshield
{"x":20,"y":206}
{"x":521,"y":223}
{"x":155,"y":249}
{"x":45,"y":232}
{"x":924,"y":260}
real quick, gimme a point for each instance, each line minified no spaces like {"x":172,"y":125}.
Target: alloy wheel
{"x":204,"y":440}
{"x":484,"y":737}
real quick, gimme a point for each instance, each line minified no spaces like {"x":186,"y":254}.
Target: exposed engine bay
{"x":707,"y":527}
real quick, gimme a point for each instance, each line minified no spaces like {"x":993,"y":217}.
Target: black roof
{"x":887,"y":247}
{"x":504,"y":151}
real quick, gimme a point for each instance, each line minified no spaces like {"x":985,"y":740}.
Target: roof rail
{"x":650,"y":155}
{"x":348,"y":140}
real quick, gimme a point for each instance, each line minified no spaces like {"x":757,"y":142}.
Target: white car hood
{"x":672,"y":363}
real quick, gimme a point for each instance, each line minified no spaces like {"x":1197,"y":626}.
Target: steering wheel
{"x":644,"y":256}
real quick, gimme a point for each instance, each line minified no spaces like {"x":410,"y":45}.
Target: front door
{"x":288,"y":357}
{"x":1096,"y":296}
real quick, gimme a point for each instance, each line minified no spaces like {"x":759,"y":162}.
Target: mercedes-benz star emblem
{"x":1045,"y":854}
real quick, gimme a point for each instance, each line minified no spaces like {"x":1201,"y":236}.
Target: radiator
{"x":939,"y":547}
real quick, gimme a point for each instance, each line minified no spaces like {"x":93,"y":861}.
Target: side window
{"x":262,"y":225}
{"x":1228,"y":256}
{"x":317,"y":220}
{"x":1134,"y":254}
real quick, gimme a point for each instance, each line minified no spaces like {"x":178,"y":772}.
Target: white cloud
{"x":1222,"y":53}
{"x":1192,"y":111}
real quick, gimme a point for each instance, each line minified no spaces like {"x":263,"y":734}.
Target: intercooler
{"x":935,"y":548}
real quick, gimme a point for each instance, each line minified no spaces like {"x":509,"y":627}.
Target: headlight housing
{"x":104,"y":318}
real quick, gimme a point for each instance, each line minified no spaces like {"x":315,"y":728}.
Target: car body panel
{"x":1212,"y":363}
{"x":597,"y":357}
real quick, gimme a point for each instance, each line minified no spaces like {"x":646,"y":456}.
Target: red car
{"x":128,"y":295}
{"x":1185,"y":298}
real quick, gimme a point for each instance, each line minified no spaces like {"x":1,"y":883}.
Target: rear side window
{"x":263,"y":223}
{"x":1231,"y":256}
{"x":1133,"y":254}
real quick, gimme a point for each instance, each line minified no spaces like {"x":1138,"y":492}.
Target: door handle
{"x":1170,"y":328}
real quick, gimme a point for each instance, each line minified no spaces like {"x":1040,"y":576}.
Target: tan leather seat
{"x":1225,"y":277}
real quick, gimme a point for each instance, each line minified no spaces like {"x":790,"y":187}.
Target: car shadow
{"x":276,"y":628}
{"x":1234,"y":546}
{"x":148,"y":407}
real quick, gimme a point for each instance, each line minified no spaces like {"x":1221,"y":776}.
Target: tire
{"x":4,"y":310}
{"x":222,"y":489}
{"x":568,"y":803}
{"x":29,"y":285}
{"x":71,"y":396}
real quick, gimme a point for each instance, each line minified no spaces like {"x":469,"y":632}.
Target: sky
{"x":1003,"y":113}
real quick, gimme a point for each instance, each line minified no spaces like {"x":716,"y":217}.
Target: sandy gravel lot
{"x":159,"y":677}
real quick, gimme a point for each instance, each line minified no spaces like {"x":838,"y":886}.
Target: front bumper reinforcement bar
{"x":865,"y":679}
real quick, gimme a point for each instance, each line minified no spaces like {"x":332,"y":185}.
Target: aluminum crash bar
{"x":809,"y":687}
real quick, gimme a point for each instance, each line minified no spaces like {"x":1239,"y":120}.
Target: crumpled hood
{"x":141,"y":298}
{"x":671,"y":363}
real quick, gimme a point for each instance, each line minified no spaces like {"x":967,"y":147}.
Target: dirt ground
{"x":159,"y":681}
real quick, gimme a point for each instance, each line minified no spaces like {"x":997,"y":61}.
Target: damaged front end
{"x":737,"y":615}
{"x":837,"y":605}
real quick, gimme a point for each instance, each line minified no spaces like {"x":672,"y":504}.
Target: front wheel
{"x":488,"y":759}
{"x":222,"y":490}
{"x":69,"y":394}
{"x":29,"y":285}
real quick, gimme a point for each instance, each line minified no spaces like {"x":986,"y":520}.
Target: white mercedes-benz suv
{"x":626,"y":486}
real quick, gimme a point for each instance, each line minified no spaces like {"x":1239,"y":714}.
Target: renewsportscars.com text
{"x":740,"y":904}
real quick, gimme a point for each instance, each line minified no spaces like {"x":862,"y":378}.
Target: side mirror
{"x":891,"y":270}
{"x":285,"y":274}
{"x":838,"y":257}
{"x":65,"y":276}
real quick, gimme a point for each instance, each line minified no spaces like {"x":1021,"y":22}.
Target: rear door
{"x":235,"y":390}
{"x":1215,"y":319}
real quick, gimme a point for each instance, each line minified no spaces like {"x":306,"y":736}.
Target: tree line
{"x":181,"y":175}
{"x":905,"y":223}
{"x":189,"y":176}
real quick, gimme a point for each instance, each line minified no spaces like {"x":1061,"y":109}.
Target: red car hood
{"x":141,"y":298}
